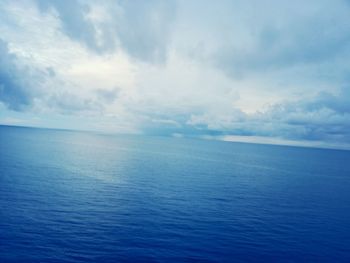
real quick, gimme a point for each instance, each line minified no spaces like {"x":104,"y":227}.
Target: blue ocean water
{"x":83,"y":197}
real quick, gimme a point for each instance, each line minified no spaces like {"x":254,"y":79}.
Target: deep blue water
{"x":82,"y":197}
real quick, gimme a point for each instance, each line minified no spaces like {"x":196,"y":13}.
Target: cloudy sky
{"x":270,"y":71}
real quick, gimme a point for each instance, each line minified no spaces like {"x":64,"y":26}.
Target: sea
{"x":68,"y":196}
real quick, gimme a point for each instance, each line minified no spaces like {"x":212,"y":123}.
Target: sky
{"x":272,"y":71}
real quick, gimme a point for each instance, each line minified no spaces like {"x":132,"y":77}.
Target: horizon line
{"x":260,"y":140}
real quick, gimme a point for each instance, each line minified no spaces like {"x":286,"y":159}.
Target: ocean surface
{"x":82,"y":197}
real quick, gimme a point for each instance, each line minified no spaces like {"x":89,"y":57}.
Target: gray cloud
{"x":72,"y":15}
{"x":285,"y":35}
{"x":275,"y":49}
{"x":108,"y":96}
{"x":22,"y":85}
{"x":68,"y":103}
{"x":325,"y":117}
{"x":144,"y":28}
{"x":141,"y":28}
{"x":16,"y":91}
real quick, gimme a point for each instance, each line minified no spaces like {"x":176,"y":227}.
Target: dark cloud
{"x":21,"y":85}
{"x":72,"y":15}
{"x":310,"y":34}
{"x":66,"y":102}
{"x":144,"y":28}
{"x":325,"y":117}
{"x":275,"y":50}
{"x":141,"y":28}
{"x":15,"y":92}
{"x":108,"y":95}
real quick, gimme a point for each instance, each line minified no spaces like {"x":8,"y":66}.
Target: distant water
{"x":82,"y":197}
